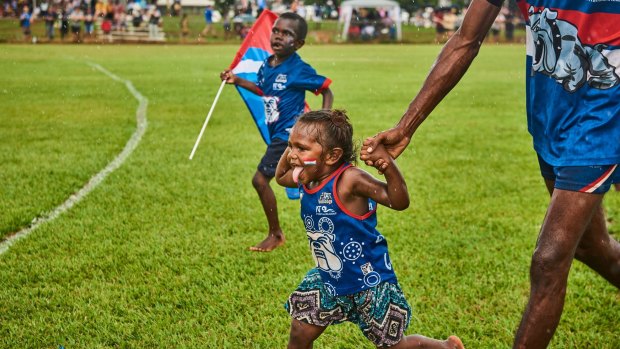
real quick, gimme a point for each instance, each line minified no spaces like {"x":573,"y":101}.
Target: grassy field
{"x":156,"y":255}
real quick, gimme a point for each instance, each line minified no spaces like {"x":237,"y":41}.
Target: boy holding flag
{"x":283,"y":79}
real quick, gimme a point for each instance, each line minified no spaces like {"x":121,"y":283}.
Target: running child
{"x":283,"y":80}
{"x":353,"y":279}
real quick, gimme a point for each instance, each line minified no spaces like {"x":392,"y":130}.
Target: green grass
{"x":156,"y":255}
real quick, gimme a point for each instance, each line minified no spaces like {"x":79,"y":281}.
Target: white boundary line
{"x":99,"y":177}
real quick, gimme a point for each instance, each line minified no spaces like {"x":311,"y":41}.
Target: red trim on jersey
{"x":341,"y":205}
{"x":325,"y":85}
{"x":599,"y":181}
{"x":593,"y":28}
{"x":523,"y":6}
{"x":322,"y":184}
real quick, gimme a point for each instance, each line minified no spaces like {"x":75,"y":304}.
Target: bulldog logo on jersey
{"x":321,"y":241}
{"x":272,"y":114}
{"x":560,"y":54}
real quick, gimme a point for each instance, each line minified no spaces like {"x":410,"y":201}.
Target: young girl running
{"x":353,"y":279}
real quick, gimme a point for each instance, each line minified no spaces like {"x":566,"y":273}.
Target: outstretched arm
{"x":450,"y":66}
{"x":230,"y":78}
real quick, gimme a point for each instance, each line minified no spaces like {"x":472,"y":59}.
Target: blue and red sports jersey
{"x":349,"y":252}
{"x":573,"y":80}
{"x":284,"y":92}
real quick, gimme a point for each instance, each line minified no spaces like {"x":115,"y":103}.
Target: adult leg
{"x":417,"y":341}
{"x":275,"y":237}
{"x":598,"y":250}
{"x":568,"y":216}
{"x":303,"y":335}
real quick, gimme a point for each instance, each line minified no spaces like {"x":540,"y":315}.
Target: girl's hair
{"x":333,"y":130}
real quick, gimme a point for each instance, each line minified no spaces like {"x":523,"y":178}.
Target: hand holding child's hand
{"x":394,"y":140}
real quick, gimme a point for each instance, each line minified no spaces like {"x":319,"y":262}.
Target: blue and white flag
{"x":248,"y":60}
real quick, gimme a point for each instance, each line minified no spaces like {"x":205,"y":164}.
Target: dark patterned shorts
{"x":381,"y":312}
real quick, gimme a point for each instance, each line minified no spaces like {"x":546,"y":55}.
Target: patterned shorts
{"x":381,"y":312}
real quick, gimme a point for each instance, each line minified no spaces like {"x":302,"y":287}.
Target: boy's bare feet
{"x":271,"y":242}
{"x":454,"y":342}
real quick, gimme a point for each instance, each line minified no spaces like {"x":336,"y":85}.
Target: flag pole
{"x":204,"y":126}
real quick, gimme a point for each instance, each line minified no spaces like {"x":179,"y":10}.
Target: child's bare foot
{"x":271,"y":242}
{"x":454,"y":342}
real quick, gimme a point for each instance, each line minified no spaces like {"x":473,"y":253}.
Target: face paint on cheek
{"x":309,"y":162}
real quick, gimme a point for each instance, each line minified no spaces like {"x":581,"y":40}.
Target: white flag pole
{"x":204,"y":126}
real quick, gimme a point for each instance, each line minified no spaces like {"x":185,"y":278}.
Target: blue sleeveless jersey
{"x":572,"y":82}
{"x":349,"y":252}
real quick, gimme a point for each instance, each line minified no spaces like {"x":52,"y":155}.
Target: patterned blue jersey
{"x":573,"y":84}
{"x":284,"y":92}
{"x":349,"y":252}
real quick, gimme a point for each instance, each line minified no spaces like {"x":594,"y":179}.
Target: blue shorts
{"x":585,"y":179}
{"x":381,"y":312}
{"x":269,"y":162}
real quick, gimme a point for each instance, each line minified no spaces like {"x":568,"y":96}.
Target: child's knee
{"x":302,"y":335}
{"x":259,"y":181}
{"x":298,"y":337}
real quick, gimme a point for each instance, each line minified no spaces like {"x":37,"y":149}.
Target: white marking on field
{"x":99,"y":177}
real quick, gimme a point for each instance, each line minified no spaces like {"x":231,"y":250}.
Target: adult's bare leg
{"x":568,"y":216}
{"x":598,"y":250}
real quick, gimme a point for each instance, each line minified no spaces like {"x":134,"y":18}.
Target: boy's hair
{"x":302,"y":26}
{"x":333,"y":130}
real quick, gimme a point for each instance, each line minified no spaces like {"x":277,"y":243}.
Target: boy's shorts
{"x":381,"y":312}
{"x":269,"y":162}
{"x":585,"y":179}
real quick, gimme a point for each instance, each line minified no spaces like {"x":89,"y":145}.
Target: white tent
{"x":346,"y":12}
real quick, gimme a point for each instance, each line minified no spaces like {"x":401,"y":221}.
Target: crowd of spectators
{"x":371,"y":23}
{"x":78,"y":18}
{"x":446,"y":20}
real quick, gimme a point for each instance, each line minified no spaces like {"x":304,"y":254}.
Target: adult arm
{"x":448,"y":69}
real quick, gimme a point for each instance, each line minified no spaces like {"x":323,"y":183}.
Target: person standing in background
{"x":208,"y":24}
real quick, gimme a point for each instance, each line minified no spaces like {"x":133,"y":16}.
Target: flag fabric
{"x":254,"y":50}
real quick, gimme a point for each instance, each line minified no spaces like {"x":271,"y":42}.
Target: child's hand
{"x":380,"y":158}
{"x":228,"y":76}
